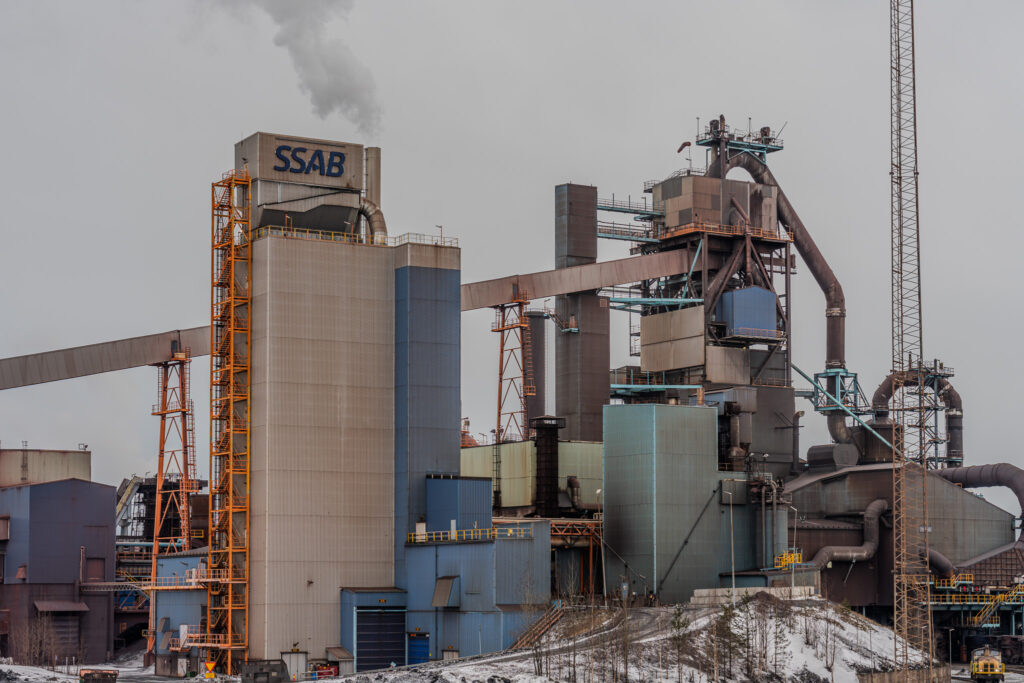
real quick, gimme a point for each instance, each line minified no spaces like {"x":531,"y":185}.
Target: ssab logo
{"x":333,"y":167}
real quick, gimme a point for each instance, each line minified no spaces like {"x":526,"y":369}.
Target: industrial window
{"x":5,"y":528}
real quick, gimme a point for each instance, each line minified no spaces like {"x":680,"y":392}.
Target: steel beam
{"x":122,"y":354}
{"x":79,"y":361}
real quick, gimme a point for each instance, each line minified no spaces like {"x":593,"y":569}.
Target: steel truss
{"x":913,"y":403}
{"x":227,"y":572}
{"x":176,"y":480}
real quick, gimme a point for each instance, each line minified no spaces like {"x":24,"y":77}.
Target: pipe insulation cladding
{"x":374,"y":218}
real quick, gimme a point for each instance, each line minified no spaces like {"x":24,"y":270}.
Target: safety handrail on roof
{"x":354,"y":238}
{"x":460,"y":535}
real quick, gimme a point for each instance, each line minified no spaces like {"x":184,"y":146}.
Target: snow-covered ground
{"x":762,"y":640}
{"x":129,"y":666}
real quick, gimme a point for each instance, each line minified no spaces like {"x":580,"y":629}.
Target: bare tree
{"x":35,"y":641}
{"x":680,"y":637}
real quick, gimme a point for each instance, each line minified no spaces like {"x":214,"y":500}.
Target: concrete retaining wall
{"x":939,"y":675}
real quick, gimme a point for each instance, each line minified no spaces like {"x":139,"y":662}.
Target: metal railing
{"x":461,"y":535}
{"x":353,"y":238}
{"x":628,"y":231}
{"x":789,"y":558}
{"x":629,"y":206}
{"x":649,"y":184}
{"x":717,"y":229}
{"x":755,"y":333}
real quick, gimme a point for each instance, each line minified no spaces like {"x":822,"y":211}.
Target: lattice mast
{"x":515,"y":368}
{"x":176,"y":480}
{"x":227,"y":575}
{"x":911,"y":395}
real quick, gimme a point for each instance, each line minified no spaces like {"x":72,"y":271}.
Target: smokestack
{"x":373,"y":174}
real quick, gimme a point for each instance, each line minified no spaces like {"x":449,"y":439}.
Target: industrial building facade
{"x":56,"y":535}
{"x":358,"y":532}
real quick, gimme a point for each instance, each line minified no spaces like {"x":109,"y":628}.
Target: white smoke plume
{"x":329,"y":72}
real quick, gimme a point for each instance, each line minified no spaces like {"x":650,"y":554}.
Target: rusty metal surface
{"x":574,"y":279}
{"x":92,"y":359}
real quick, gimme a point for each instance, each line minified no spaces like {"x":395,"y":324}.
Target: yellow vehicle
{"x":987,"y":665}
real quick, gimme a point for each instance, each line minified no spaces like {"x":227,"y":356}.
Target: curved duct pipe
{"x":940,"y":564}
{"x":855,"y":553}
{"x":949,"y":397}
{"x":375,"y":219}
{"x":984,"y":476}
{"x":835,"y":300}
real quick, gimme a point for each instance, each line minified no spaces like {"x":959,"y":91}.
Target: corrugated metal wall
{"x":502,"y":586}
{"x":581,"y":459}
{"x":322,"y":436}
{"x":661,"y":482}
{"x":178,"y":607}
{"x":963,"y":525}
{"x":427,"y":380}
{"x":467,"y":501}
{"x":31,"y":466}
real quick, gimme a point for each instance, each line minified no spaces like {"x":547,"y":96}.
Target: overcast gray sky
{"x":119,"y":114}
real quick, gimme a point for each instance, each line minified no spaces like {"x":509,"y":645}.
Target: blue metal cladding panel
{"x":15,"y":502}
{"x":419,"y":648}
{"x":427,"y":377}
{"x":421,"y":570}
{"x":522,"y":568}
{"x":473,"y":563}
{"x":514,"y":622}
{"x":479,"y":632}
{"x":474,"y":503}
{"x":178,"y":607}
{"x":348,"y":620}
{"x":752,"y":308}
{"x":442,"y":504}
{"x":70,"y":514}
{"x":467,"y":501}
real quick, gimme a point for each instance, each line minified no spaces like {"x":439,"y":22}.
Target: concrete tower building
{"x":354,"y":394}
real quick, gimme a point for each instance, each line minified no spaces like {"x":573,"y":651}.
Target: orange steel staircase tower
{"x":176,"y":480}
{"x":226,"y":638}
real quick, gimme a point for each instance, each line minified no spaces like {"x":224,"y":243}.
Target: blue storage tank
{"x":748,"y":312}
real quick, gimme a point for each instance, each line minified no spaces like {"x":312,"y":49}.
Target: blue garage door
{"x":419,"y":648}
{"x":380,"y":639}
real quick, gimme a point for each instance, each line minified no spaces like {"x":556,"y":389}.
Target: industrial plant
{"x":349,"y":519}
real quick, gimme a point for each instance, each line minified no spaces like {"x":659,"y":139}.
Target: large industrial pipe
{"x":835,"y":300}
{"x":983,"y":476}
{"x":855,"y":553}
{"x":374,"y":218}
{"x":940,"y":564}
{"x":949,"y":397}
